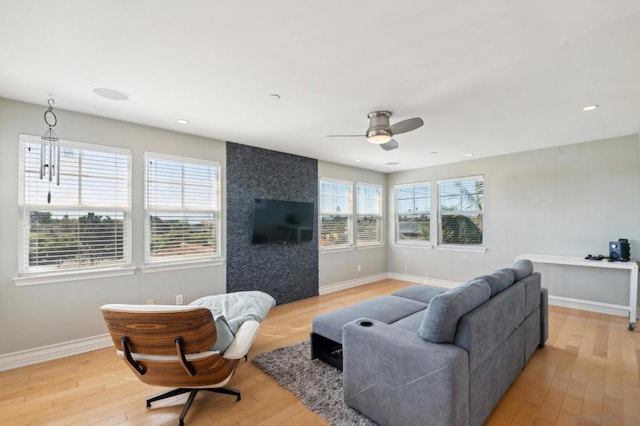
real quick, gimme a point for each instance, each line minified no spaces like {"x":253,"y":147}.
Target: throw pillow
{"x":499,"y":280}
{"x":440,"y":321}
{"x":225,"y":336}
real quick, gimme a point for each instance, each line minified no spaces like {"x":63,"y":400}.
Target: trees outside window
{"x":413,"y":213}
{"x":182,"y":204}
{"x":461,"y":210}
{"x":85,"y":221}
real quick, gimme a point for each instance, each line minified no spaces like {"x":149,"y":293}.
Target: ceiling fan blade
{"x":345,"y":136}
{"x":406,"y":125}
{"x":392,"y":144}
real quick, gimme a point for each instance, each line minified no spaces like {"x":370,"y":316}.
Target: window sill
{"x":425,"y":245}
{"x":468,"y":249}
{"x":334,"y":249}
{"x":370,"y":246}
{"x":177,"y":266}
{"x":52,"y":278}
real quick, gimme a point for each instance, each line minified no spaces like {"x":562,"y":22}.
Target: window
{"x":413,"y":213}
{"x":182,"y":209}
{"x":86,"y":224}
{"x":369,"y":211}
{"x":335,"y":213}
{"x":461,"y":210}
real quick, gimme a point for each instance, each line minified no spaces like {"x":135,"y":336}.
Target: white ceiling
{"x":488,"y":77}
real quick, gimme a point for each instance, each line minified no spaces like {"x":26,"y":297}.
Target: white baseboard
{"x":330,"y":288}
{"x":343,"y":285}
{"x":602,"y":308}
{"x":51,"y":352}
{"x":423,"y":280}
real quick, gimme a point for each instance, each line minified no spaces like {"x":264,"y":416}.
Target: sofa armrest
{"x":544,"y":316}
{"x":395,"y":377}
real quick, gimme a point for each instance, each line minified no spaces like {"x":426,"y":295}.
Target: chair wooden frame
{"x":171,"y":346}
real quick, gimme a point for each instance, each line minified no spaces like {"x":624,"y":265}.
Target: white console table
{"x":631,"y":266}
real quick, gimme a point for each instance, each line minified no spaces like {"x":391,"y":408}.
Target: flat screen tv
{"x":282,"y":222}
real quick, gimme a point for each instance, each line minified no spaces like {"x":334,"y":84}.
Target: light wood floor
{"x":588,"y":373}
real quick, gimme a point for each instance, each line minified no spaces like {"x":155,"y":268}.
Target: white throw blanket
{"x":238,"y":307}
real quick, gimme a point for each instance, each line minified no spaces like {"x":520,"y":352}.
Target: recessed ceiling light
{"x":358,"y":161}
{"x":590,"y":107}
{"x":468,"y":155}
{"x":182,"y":121}
{"x":109,"y":93}
{"x":392,"y":163}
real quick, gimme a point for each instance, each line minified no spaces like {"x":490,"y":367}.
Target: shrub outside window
{"x":461,"y":210}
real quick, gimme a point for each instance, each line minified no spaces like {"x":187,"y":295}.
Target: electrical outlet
{"x":150,"y":302}
{"x":179,"y":300}
{"x":359,"y":268}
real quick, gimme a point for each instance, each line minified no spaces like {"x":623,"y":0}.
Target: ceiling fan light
{"x":379,"y":136}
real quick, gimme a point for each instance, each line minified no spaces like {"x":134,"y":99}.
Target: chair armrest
{"x":395,"y":377}
{"x":243,"y":340}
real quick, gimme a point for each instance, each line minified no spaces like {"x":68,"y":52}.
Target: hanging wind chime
{"x":50,"y":150}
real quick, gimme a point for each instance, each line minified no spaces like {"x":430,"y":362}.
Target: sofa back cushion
{"x":522,"y":268}
{"x":445,"y":309}
{"x":499,"y":280}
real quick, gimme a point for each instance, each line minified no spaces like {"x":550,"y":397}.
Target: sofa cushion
{"x":484,"y":330}
{"x":499,"y":280}
{"x":445,"y":309}
{"x":421,"y":293}
{"x":387,"y":309}
{"x":410,"y":323}
{"x":522,"y":268}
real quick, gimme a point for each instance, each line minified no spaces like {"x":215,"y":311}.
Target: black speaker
{"x":619,"y":250}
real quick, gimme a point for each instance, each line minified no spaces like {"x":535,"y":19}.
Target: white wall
{"x":336,"y":267}
{"x":38,"y":315}
{"x":570,"y":200}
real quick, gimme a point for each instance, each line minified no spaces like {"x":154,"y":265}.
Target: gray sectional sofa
{"x":430,"y":356}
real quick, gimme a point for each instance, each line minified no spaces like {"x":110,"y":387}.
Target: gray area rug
{"x":315,"y":383}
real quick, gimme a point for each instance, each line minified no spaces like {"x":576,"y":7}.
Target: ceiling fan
{"x":380,"y":132}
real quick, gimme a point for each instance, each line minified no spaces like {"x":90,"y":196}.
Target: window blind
{"x":182,"y":209}
{"x":335,"y":213}
{"x":461,"y":210}
{"x":87,"y":221}
{"x":369,"y":211}
{"x":413,"y":212}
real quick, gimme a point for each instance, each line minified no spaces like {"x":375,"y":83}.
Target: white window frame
{"x":350,"y":226}
{"x":379,"y":214}
{"x":153,"y":264}
{"x":460,"y":247}
{"x":43,"y":275}
{"x":396,"y":223}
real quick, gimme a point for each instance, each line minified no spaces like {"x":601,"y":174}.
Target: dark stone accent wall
{"x":287,"y":272}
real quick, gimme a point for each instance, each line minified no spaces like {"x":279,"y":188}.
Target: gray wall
{"x":287,"y":272}
{"x":570,"y":200}
{"x":342,"y":265}
{"x":39,"y":315}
